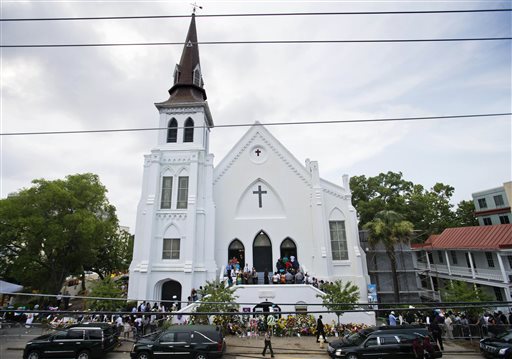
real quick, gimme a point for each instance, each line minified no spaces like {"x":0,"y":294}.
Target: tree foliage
{"x":429,"y":210}
{"x":459,"y":291}
{"x":389,"y":229}
{"x":465,"y":214}
{"x":59,"y":228}
{"x":338,"y":296}
{"x":216,"y":296}
{"x":106,"y":288}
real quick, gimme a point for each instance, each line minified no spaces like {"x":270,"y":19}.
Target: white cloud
{"x":98,"y":88}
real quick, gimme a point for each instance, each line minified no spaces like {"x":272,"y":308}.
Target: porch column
{"x":502,"y":268}
{"x":430,"y":273}
{"x":472,"y":265}
{"x":447,"y":257}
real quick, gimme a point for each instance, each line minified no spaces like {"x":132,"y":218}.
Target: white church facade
{"x":258,"y":204}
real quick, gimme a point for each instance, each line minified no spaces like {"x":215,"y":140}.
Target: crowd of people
{"x":450,"y":324}
{"x":287,"y":271}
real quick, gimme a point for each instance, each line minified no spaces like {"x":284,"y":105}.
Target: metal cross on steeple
{"x":194,"y":7}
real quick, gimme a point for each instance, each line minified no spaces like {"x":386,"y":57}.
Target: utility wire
{"x":259,"y":42}
{"x":258,"y":15}
{"x":423,"y":118}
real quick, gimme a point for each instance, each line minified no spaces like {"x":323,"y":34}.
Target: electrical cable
{"x":412,"y":12}
{"x":422,"y":118}
{"x":258,"y":42}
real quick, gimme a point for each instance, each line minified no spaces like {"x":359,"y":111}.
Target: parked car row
{"x":93,"y":340}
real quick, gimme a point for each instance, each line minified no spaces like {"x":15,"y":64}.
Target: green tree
{"x":115,"y":257}
{"x":338,"y":297}
{"x":389,"y":229}
{"x":106,"y":288}
{"x":386,"y":191}
{"x":429,"y":210}
{"x":55,"y":229}
{"x":458,"y":291}
{"x":216,"y":296}
{"x":465,"y":214}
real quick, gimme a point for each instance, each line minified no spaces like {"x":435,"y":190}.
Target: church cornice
{"x":182,"y":109}
{"x":186,"y":109}
{"x":337,"y":194}
{"x":173,"y":216}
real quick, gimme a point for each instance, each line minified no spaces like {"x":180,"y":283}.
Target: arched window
{"x":262,"y":252}
{"x":188,"y":134}
{"x":172,"y":131}
{"x":237,"y":250}
{"x":288,"y":248}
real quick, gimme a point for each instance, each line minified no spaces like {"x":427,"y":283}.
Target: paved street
{"x":12,"y":342}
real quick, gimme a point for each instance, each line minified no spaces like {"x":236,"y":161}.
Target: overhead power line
{"x":392,"y":119}
{"x":260,"y":42}
{"x":259,"y":15}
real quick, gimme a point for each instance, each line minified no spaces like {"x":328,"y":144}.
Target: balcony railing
{"x":459,"y":271}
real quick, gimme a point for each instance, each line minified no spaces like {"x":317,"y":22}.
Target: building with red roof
{"x":480,"y":255}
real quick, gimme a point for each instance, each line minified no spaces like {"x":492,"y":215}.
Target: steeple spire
{"x":188,"y":80}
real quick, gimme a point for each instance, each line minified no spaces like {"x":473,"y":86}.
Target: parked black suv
{"x":82,"y":341}
{"x":359,"y":337}
{"x":181,"y":341}
{"x":384,"y":342}
{"x":497,"y":347}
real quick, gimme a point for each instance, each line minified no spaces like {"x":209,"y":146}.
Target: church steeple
{"x":188,"y":80}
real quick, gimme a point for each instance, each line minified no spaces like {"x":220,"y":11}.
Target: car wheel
{"x":201,"y":356}
{"x":33,"y":355}
{"x":143,"y":355}
{"x":352,"y":356}
{"x":84,"y":354}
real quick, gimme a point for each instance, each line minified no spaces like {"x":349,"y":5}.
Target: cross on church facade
{"x":259,"y":192}
{"x":258,"y":151}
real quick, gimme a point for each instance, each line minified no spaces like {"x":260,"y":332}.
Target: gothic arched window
{"x":172,"y":131}
{"x":188,"y":134}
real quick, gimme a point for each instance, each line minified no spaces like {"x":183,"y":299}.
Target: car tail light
{"x":219,"y":345}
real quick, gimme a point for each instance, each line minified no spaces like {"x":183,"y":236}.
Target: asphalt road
{"x":12,"y":343}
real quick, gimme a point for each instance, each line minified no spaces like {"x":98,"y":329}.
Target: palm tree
{"x":389,"y":228}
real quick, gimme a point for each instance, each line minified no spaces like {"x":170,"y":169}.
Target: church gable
{"x":259,"y":143}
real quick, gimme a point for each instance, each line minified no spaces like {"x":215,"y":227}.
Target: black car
{"x":497,"y":347}
{"x":387,"y":344}
{"x":181,"y":341}
{"x":359,"y":337}
{"x":82,"y":341}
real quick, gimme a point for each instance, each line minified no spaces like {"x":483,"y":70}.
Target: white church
{"x":258,"y":204}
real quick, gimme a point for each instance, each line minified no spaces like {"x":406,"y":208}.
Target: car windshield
{"x":505,"y":336}
{"x":355,"y":338}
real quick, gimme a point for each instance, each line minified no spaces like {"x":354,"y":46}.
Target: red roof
{"x":480,"y":237}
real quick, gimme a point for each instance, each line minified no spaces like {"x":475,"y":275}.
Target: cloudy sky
{"x":92,"y":88}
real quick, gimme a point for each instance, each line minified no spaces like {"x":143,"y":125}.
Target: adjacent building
{"x":379,"y":270}
{"x":480,"y":255}
{"x":492,"y":206}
